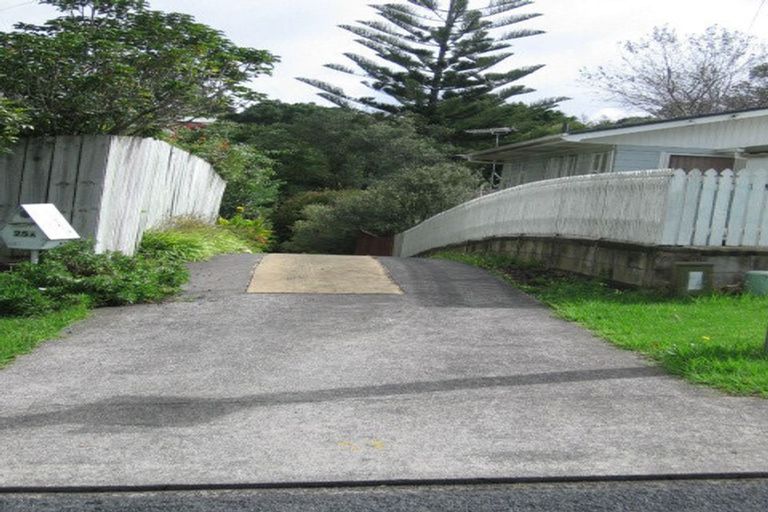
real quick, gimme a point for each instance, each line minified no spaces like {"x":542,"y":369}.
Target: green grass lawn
{"x":716,"y":340}
{"x":21,"y":335}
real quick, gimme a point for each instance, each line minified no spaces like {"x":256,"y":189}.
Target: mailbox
{"x":36,"y":227}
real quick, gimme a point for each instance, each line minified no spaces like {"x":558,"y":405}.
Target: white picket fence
{"x":110,"y":188}
{"x":659,"y":207}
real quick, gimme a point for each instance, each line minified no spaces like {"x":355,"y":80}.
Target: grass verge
{"x":21,"y":335}
{"x":715,"y":340}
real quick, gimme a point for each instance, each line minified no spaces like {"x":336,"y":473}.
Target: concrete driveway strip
{"x":459,"y":377}
{"x":316,"y":273}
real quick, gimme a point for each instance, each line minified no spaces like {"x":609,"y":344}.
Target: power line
{"x":754,"y":19}
{"x":17,"y":5}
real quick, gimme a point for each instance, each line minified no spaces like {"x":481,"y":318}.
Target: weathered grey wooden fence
{"x":110,"y":188}
{"x":660,"y":207}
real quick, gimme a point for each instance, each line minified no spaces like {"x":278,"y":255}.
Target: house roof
{"x":607,"y":136}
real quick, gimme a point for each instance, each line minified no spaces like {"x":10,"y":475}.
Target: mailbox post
{"x":37,"y":227}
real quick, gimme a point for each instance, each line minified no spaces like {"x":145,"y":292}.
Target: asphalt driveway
{"x":460,"y":376}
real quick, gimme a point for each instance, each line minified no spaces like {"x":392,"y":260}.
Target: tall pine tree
{"x":439,"y":59}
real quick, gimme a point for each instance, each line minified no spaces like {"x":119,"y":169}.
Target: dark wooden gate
{"x":372,"y":245}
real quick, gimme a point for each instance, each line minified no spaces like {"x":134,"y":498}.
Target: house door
{"x":703,"y":163}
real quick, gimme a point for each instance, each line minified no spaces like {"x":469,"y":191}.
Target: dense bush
{"x":75,"y":271}
{"x":19,"y":298}
{"x":390,"y":206}
{"x":292,"y":209}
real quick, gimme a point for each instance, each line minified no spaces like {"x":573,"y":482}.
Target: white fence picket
{"x":703,"y":225}
{"x":674,"y":208}
{"x":690,"y":208}
{"x":755,"y":206}
{"x":721,"y":208}
{"x":735,"y":229}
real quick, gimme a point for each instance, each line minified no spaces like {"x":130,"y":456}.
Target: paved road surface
{"x":659,"y":496}
{"x":460,"y":376}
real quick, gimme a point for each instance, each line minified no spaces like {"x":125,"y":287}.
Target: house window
{"x":560,"y":166}
{"x":601,"y":162}
{"x":703,"y":163}
{"x":570,"y":165}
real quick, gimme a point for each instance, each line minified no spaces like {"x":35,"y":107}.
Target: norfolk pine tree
{"x":437,"y":59}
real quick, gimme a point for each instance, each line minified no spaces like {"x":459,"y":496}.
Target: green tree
{"x":319,"y":148}
{"x":440,"y":60}
{"x":117,"y":67}
{"x":13,"y":120}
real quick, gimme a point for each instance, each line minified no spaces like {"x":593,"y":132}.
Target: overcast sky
{"x":580,"y":33}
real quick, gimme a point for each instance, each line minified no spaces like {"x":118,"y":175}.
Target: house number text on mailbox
{"x":35,"y":227}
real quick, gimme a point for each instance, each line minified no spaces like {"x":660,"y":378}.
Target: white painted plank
{"x":37,"y":169}
{"x":690,"y":207}
{"x":736,"y":218}
{"x":703,"y":224}
{"x":11,"y":169}
{"x":673,"y":210}
{"x":90,"y":184}
{"x":755,"y":207}
{"x":63,"y":180}
{"x":722,"y":206}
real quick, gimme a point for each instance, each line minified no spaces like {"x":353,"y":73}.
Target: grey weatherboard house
{"x":731,"y":140}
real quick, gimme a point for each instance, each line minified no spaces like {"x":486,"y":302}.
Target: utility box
{"x":36,"y":227}
{"x":756,"y":282}
{"x":693,"y":278}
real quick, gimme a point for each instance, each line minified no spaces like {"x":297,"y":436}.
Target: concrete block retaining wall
{"x":649,"y":266}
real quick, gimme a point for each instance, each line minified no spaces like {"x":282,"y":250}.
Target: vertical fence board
{"x":63,"y":180}
{"x":690,"y":207}
{"x":11,"y":167}
{"x":37,"y":169}
{"x":735,"y":229}
{"x":720,"y":210}
{"x":674,"y":208}
{"x":754,"y":208}
{"x":703,"y":226}
{"x":90,"y":184}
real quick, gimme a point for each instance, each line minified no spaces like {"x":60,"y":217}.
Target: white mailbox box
{"x":36,"y":227}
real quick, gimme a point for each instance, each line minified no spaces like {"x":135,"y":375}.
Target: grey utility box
{"x":693,"y":278}
{"x":36,"y":227}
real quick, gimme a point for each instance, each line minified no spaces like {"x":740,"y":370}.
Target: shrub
{"x":20,"y":298}
{"x":110,"y":279}
{"x":392,"y":205}
{"x":257,"y":233}
{"x":291,"y":210}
